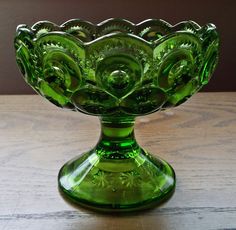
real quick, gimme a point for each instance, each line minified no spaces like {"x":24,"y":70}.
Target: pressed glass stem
{"x":117,"y":139}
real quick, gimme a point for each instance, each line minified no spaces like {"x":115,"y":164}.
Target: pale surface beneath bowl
{"x":197,"y":138}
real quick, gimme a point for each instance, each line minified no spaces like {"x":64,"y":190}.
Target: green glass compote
{"x":117,"y":70}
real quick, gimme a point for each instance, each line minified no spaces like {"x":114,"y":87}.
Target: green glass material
{"x":117,"y":70}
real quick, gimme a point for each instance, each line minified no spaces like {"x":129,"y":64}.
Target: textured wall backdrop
{"x":14,"y":12}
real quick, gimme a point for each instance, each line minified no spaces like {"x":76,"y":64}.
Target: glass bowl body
{"x":117,"y":68}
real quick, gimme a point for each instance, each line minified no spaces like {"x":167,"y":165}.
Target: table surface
{"x":198,"y":138}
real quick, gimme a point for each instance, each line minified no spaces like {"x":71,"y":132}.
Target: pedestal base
{"x":106,"y":184}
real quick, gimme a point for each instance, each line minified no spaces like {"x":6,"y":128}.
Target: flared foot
{"x":128,"y":184}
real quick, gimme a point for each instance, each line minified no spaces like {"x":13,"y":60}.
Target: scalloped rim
{"x":97,"y":31}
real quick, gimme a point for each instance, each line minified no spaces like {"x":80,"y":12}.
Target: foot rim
{"x":142,"y":205}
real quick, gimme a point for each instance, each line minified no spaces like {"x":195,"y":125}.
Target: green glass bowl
{"x":117,"y":70}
